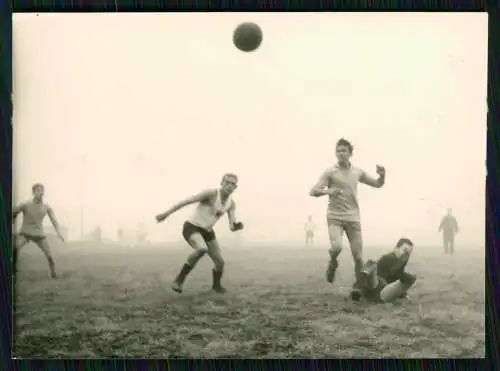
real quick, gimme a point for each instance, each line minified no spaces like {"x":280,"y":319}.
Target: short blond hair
{"x":230,"y":175}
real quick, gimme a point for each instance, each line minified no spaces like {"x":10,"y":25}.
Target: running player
{"x":343,"y":215}
{"x":386,"y":280}
{"x":309,"y":229}
{"x":34,"y":211}
{"x":198,"y":230}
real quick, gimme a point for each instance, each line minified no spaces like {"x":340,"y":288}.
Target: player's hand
{"x":405,"y":256}
{"x":60,"y":237}
{"x":380,"y":170}
{"x":160,"y":217}
{"x":334,"y":192}
{"x":236,"y":226}
{"x":408,"y":250}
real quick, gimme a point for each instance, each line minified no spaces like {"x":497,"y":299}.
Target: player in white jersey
{"x":198,"y":231}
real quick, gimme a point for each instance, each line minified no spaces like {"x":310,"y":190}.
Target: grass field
{"x":117,"y":303}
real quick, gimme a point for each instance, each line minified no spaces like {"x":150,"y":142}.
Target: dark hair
{"x":230,"y":175}
{"x":37,"y":185}
{"x":345,"y":142}
{"x":403,"y":241}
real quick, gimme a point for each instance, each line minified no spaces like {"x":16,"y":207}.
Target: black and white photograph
{"x":249,"y":185}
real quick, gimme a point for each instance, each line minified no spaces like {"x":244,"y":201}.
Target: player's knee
{"x":195,"y":256}
{"x":198,"y":246}
{"x":219,"y":264}
{"x":408,"y":279}
{"x":201,"y":251}
{"x":335,"y":249}
{"x":19,"y":242}
{"x":357,"y":257}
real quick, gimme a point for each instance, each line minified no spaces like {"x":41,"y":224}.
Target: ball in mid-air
{"x":247,"y":37}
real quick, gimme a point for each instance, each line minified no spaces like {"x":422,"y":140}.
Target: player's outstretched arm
{"x":54,"y":222}
{"x":234,"y":225}
{"x":321,"y":186}
{"x":200,"y":197}
{"x":231,"y":214}
{"x":374,"y":182}
{"x":17,"y":210}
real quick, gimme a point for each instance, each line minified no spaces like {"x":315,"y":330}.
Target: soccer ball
{"x":247,"y":37}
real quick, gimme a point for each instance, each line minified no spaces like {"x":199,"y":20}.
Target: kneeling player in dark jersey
{"x":386,"y":280}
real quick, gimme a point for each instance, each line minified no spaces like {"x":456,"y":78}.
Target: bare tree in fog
{"x":449,"y":228}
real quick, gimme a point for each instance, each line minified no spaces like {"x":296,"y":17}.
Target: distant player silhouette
{"x":449,"y":228}
{"x":309,"y":228}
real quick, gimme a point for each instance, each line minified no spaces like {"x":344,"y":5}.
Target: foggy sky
{"x":129,"y":113}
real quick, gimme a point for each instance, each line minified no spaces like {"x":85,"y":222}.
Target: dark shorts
{"x":31,"y":238}
{"x":188,"y":229}
{"x":374,"y":294}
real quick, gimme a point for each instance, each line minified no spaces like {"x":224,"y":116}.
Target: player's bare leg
{"x":19,"y":242}
{"x":309,"y":240}
{"x":43,"y":244}
{"x":199,"y":250}
{"x":451,"y":244}
{"x":397,"y":289}
{"x":353,"y":232}
{"x":335,"y":232}
{"x":218,"y":270}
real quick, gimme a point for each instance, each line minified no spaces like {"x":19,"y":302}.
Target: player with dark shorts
{"x":34,"y":211}
{"x":198,"y":230}
{"x":386,"y":280}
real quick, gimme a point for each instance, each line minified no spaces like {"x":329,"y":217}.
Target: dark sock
{"x":217,"y":276}
{"x":335,"y":263}
{"x":334,"y":255}
{"x":181,"y":277}
{"x":52,"y":267}
{"x":358,"y":267}
{"x":51,"y":264}
{"x":333,"y":259}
